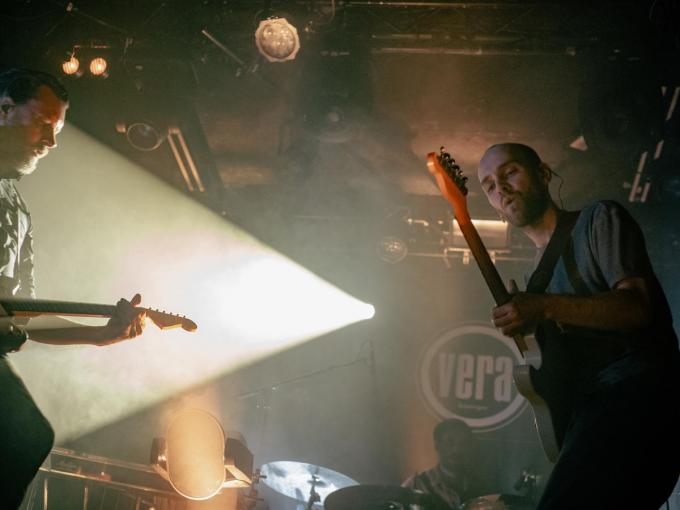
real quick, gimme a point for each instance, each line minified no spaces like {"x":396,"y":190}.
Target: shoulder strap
{"x":573,"y":273}
{"x":541,"y":277}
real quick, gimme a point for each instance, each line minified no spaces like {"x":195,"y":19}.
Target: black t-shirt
{"x":608,"y":246}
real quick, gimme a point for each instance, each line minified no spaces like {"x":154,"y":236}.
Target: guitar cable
{"x":559,"y":187}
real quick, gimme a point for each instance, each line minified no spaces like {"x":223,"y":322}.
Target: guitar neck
{"x":486,"y":266}
{"x":31,"y":307}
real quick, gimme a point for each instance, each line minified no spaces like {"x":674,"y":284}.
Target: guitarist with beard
{"x":32,"y":110}
{"x":621,"y":448}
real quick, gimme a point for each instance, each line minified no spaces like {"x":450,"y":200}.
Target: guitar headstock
{"x":451,"y":181}
{"x":165,"y":320}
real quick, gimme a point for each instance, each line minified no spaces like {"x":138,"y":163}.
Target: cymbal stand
{"x":313,"y":495}
{"x":248,"y":501}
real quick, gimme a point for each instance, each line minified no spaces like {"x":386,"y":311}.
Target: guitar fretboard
{"x":16,"y":306}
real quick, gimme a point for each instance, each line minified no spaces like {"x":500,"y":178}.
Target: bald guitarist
{"x":32,"y":110}
{"x":621,"y":448}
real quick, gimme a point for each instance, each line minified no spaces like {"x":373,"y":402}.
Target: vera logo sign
{"x":466,"y":373}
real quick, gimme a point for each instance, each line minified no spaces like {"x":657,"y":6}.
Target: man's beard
{"x":17,"y":165}
{"x":533,"y":204}
{"x":17,"y":157}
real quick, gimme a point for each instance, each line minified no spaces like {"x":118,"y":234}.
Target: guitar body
{"x":571,"y":360}
{"x":549,"y":391}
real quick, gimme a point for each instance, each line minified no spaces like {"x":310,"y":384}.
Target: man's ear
{"x":545,"y":173}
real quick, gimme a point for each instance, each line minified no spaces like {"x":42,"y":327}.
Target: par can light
{"x":277,"y":39}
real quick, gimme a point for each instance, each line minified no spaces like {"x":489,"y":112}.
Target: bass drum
{"x":499,"y":502}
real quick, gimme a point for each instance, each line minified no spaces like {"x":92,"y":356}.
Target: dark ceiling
{"x":340,"y":133}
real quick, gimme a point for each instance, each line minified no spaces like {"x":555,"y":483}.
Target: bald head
{"x":501,"y":152}
{"x":515,"y":182}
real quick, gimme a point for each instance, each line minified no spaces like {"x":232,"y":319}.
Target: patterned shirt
{"x":16,"y":244}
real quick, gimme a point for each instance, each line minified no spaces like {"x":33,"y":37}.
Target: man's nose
{"x":49,"y":139}
{"x":504,"y":188}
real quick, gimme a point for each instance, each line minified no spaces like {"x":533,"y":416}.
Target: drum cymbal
{"x":375,"y":497}
{"x":499,"y":502}
{"x":295,"y":479}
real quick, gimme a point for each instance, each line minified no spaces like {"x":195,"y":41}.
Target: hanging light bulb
{"x":71,"y":66}
{"x":98,"y":67}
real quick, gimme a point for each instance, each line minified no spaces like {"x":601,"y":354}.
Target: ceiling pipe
{"x":450,"y":5}
{"x":569,"y":51}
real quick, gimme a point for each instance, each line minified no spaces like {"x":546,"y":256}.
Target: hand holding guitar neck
{"x":126,"y":321}
{"x":521,"y":314}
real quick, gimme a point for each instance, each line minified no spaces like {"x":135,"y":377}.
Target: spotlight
{"x":392,"y":249}
{"x":277,"y":39}
{"x":197,"y":459}
{"x":71,"y":67}
{"x":98,"y":67}
{"x":142,"y":135}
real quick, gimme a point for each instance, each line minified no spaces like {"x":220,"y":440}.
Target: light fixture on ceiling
{"x":92,"y":57}
{"x":277,"y":40}
{"x":397,"y":236}
{"x":147,"y":136}
{"x":99,"y":67}
{"x":142,"y":135}
{"x":71,"y":67}
{"x":392,"y":249}
{"x":413,"y":233}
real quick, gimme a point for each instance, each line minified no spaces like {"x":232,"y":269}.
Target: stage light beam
{"x":115,"y":229}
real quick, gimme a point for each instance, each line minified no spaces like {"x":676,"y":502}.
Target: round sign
{"x":466,"y":373}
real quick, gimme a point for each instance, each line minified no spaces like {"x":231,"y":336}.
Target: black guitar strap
{"x":573,"y":274}
{"x":559,"y":241}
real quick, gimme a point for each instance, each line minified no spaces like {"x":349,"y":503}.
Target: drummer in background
{"x":452,"y":480}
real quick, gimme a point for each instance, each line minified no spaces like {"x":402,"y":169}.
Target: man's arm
{"x":625,"y":308}
{"x":126,"y":323}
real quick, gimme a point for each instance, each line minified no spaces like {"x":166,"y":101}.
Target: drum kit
{"x":315,"y":487}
